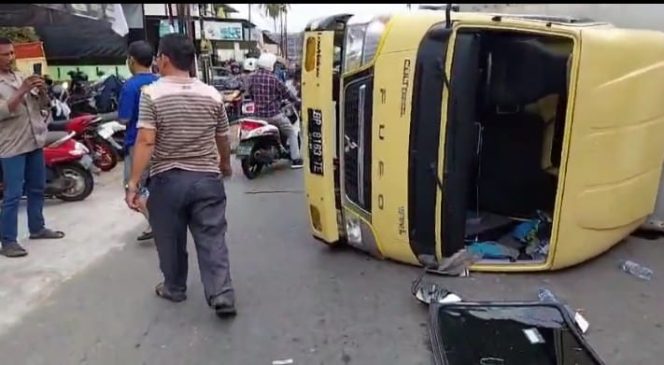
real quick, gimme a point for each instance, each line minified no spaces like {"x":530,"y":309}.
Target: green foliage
{"x":19,"y":34}
{"x":273,"y":11}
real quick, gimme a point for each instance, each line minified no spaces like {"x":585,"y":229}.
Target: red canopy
{"x":29,"y":50}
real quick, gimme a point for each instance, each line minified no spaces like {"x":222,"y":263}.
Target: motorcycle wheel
{"x":83,"y":183}
{"x":251,"y":168}
{"x":104,"y":154}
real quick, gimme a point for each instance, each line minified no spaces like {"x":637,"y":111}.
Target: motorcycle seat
{"x":58,"y":125}
{"x":52,"y":137}
{"x":108,"y":117}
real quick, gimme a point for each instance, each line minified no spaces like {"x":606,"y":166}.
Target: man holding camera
{"x":24,"y":112}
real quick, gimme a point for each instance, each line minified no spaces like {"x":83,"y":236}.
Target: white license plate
{"x":243,"y":150}
{"x":105,"y":132}
{"x":87,"y":162}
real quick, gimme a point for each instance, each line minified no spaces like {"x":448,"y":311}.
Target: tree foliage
{"x":19,"y":34}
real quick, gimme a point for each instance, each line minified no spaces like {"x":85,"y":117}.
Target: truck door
{"x":614,"y":143}
{"x":322,"y":50}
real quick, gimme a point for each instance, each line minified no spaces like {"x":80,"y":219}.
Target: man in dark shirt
{"x":139,"y":61}
{"x":267,"y":93}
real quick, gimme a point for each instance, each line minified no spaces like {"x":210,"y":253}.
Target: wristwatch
{"x":128,"y":187}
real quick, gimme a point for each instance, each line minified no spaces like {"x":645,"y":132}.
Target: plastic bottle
{"x":637,"y":270}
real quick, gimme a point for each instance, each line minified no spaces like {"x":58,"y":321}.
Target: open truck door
{"x":615,"y":149}
{"x":547,"y":131}
{"x":321,"y":72}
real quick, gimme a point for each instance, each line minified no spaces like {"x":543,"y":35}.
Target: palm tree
{"x":284,"y":32}
{"x":272,"y":11}
{"x":277,"y":12}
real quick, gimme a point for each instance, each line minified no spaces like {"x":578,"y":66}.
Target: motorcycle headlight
{"x":362,"y":40}
{"x":79,"y":149}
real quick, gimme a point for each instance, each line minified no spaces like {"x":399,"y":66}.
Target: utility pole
{"x":185,"y":27}
{"x":205,"y":46}
{"x":286,"y":32}
{"x":249,"y":16}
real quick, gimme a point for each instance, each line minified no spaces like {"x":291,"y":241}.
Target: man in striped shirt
{"x":183,"y":126}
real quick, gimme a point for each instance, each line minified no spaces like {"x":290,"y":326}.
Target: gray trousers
{"x":184,"y":199}
{"x":286,"y":128}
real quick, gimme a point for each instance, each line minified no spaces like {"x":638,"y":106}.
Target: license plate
{"x":87,"y":162}
{"x":244,"y":149}
{"x":315,"y":141}
{"x":105,"y":132}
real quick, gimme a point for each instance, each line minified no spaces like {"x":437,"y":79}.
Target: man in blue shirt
{"x":139,"y":60}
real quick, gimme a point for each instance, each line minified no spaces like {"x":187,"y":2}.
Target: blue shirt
{"x":130,"y":97}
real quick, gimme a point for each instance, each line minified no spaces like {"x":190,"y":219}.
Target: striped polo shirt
{"x":187,"y":115}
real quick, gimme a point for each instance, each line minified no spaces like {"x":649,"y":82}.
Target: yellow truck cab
{"x":531,"y":141}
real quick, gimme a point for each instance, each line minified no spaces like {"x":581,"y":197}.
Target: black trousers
{"x":182,"y":199}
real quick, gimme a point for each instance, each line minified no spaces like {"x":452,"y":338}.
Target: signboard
{"x":111,"y":13}
{"x":165,"y":27}
{"x":162,"y":10}
{"x":315,"y":131}
{"x":219,"y":31}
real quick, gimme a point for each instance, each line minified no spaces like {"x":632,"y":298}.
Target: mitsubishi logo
{"x":349,"y":145}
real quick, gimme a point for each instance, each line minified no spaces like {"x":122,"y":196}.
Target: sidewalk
{"x":93,"y":228}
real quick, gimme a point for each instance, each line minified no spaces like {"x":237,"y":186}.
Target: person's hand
{"x":32,"y":82}
{"x":132,"y":198}
{"x":142,"y":204}
{"x":226,"y":169}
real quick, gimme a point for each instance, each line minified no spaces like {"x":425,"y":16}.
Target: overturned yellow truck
{"x":534,"y":142}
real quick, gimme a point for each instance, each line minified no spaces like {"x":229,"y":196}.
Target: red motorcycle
{"x":68,"y":168}
{"x":86,"y":130}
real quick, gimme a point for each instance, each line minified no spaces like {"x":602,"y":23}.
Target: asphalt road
{"x":300,"y":300}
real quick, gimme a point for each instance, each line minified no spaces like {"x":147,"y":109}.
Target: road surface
{"x":296,"y":298}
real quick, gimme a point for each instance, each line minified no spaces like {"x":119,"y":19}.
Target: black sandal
{"x":145,"y":236}
{"x":47,"y":234}
{"x":162,"y":292}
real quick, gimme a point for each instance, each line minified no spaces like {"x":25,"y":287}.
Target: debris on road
{"x":637,"y":270}
{"x":456,"y":265}
{"x":656,"y":225}
{"x":520,"y":333}
{"x":283,"y":362}
{"x":428,"y":292}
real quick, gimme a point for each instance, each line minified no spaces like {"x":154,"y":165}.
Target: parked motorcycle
{"x":59,"y":95}
{"x":101,"y":96}
{"x":69,"y":168}
{"x":261,"y":144}
{"x":114,"y":132}
{"x":92,"y":132}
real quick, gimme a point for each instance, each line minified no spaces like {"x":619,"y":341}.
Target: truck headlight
{"x":362,"y":40}
{"x":375,"y":30}
{"x":354,"y":45}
